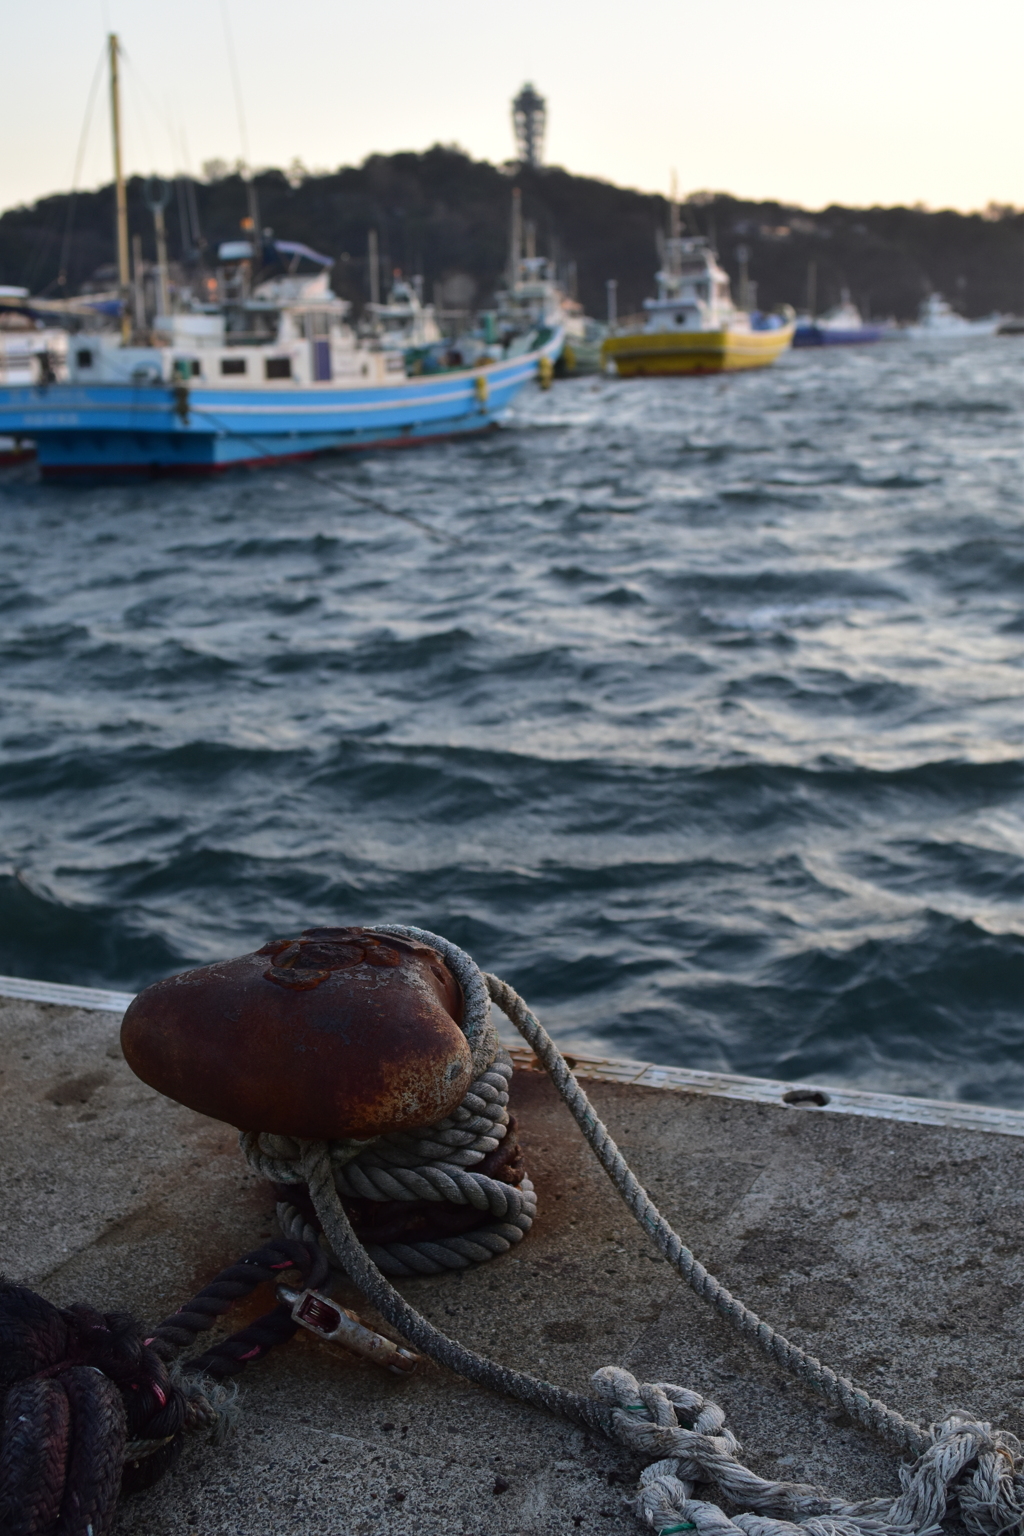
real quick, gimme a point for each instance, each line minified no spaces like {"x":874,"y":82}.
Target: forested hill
{"x":447,"y":216}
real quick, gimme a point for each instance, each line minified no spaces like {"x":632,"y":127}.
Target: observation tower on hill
{"x":529,"y":119}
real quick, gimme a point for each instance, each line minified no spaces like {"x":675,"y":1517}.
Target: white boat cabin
{"x":693,"y":291}
{"x":30,"y":352}
{"x":288,"y":329}
{"x":404,"y":321}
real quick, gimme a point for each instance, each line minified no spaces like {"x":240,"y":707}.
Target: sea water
{"x":699,"y":717}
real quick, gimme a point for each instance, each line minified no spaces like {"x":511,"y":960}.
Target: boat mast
{"x":674,"y":262}
{"x":373,"y":267}
{"x":123,"y":273}
{"x":158,"y":195}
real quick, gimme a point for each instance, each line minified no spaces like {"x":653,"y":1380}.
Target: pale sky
{"x":809,"y":101}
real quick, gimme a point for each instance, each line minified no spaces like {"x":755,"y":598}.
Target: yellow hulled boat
{"x":693,"y":326}
{"x":721,"y":351}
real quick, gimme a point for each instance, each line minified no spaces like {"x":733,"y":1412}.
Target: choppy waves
{"x":703,"y":724}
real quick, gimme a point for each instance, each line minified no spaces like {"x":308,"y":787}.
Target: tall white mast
{"x":124,"y":281}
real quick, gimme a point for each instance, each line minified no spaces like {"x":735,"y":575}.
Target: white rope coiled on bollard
{"x":962,"y":1467}
{"x":401,"y":1167}
{"x":437,"y":1164}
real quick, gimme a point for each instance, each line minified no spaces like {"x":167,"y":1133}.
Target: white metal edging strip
{"x":68,"y":997}
{"x":803,"y":1096}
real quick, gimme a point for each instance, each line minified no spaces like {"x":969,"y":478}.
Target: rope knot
{"x":972,"y":1466}
{"x":968,"y":1468}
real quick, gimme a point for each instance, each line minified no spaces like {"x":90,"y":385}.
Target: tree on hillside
{"x":445,"y":215}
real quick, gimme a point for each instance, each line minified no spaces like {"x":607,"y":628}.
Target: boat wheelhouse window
{"x":278,"y":367}
{"x":84,"y":358}
{"x":251,"y":324}
{"x":233,"y":365}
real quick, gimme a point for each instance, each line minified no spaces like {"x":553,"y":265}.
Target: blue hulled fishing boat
{"x":253,"y":379}
{"x":258,"y":365}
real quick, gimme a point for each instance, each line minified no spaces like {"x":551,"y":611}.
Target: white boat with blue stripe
{"x":256,"y":379}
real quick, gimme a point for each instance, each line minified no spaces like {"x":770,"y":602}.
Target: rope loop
{"x":439,"y":1164}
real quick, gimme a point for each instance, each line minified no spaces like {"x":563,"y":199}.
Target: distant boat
{"x":533,"y":297}
{"x":536,"y":299}
{"x":939,"y":321}
{"x":693,"y":326}
{"x":404,"y":322}
{"x":31,"y":352}
{"x":841,"y":326}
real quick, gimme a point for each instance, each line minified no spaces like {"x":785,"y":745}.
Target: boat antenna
{"x":247,"y":176}
{"x":123,"y":272}
{"x":515,"y":254}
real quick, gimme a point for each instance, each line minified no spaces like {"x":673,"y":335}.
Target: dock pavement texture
{"x":891,"y":1250}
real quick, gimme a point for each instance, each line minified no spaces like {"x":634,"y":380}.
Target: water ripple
{"x":706,"y":731}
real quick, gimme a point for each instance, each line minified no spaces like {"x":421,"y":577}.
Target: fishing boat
{"x":31,"y":351}
{"x":693,"y":326}
{"x":270,"y":370}
{"x":584,"y":339}
{"x":841,"y":326}
{"x":404,"y":321}
{"x":533,"y":297}
{"x":277,"y":375}
{"x":939,"y":321}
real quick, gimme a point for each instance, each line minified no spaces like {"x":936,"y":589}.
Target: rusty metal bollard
{"x":340,"y":1033}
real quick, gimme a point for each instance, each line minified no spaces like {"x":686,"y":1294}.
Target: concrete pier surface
{"x":890,"y":1248}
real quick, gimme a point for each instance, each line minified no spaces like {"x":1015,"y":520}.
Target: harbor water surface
{"x":700,"y":720}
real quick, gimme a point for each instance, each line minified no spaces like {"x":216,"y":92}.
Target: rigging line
{"x":186,"y":158}
{"x":374,"y":505}
{"x":139,"y":97}
{"x":162,"y":114}
{"x":177,"y":129}
{"x":332,"y":485}
{"x":184,"y":181}
{"x":190,"y":189}
{"x":132,"y":101}
{"x":65,"y":250}
{"x":236,"y":82}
